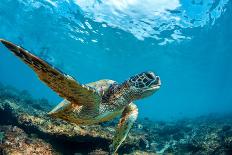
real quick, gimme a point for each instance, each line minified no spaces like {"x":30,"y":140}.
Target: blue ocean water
{"x":187,"y":43}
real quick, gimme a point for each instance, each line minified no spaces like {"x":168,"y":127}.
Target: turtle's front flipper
{"x":61,"y":83}
{"x":128,"y":118}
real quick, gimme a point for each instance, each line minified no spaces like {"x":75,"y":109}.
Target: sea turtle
{"x":95,"y":102}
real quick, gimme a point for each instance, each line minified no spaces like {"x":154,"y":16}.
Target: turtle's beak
{"x":156,"y":84}
{"x":159,"y":81}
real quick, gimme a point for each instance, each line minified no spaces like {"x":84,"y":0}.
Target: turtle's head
{"x":143,"y":84}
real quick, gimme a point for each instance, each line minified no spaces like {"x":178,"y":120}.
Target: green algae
{"x":2,"y":135}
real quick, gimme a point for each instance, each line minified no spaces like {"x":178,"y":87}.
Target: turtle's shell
{"x":101,"y":86}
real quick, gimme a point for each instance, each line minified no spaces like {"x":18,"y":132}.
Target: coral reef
{"x":16,"y":141}
{"x":25,"y":128}
{"x":202,"y":136}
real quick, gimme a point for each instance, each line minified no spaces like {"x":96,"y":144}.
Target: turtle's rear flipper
{"x":63,"y":84}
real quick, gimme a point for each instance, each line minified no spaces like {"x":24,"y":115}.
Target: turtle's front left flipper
{"x":63,"y":84}
{"x":128,"y":118}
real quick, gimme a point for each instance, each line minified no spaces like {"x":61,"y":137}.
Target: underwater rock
{"x":17,"y":142}
{"x":226,"y":128}
{"x":143,"y":143}
{"x":36,"y":121}
{"x":139,"y":152}
{"x":98,"y":152}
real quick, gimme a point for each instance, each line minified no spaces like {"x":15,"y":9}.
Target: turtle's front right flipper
{"x":63,"y":84}
{"x":129,"y":116}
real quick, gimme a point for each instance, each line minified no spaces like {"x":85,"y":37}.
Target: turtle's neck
{"x":119,"y":95}
{"x":127,"y":93}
